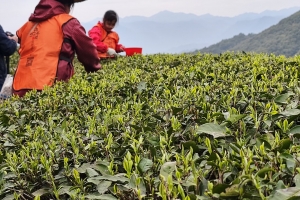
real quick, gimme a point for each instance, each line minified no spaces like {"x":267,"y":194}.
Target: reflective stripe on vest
{"x":39,"y":53}
{"x":110,"y":39}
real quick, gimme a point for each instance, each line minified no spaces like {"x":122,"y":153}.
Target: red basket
{"x":133,"y":50}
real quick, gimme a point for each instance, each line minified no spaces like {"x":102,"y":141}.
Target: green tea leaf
{"x":144,"y":165}
{"x":291,"y":112}
{"x":115,"y":178}
{"x":282,"y":99}
{"x":9,"y":197}
{"x":294,"y":130}
{"x":101,"y":166}
{"x":66,"y":190}
{"x":212,"y":129}
{"x":91,"y":172}
{"x":167,"y":168}
{"x":284,"y":144}
{"x":297,"y":180}
{"x":103,"y":186}
{"x":101,"y":197}
{"x":291,"y":193}
{"x":192,"y":144}
{"x":231,"y":192}
{"x":261,"y":173}
{"x":40,"y":192}
{"x":220,"y":188}
{"x":290,"y":160}
{"x":142,"y":86}
{"x":235,"y":118}
{"x":82,"y":169}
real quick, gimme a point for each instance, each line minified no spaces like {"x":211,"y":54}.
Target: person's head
{"x":69,"y":4}
{"x":110,"y":19}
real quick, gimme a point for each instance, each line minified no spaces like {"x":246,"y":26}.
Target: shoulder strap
{"x":61,"y":57}
{"x":67,"y":40}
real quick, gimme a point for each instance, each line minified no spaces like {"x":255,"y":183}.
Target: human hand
{"x":15,"y":38}
{"x":11,"y":36}
{"x":111,"y":52}
{"x":9,"y":33}
{"x":122,"y":48}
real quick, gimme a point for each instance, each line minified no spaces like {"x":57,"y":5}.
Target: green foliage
{"x":280,"y":39}
{"x":158,"y":127}
{"x":226,"y":44}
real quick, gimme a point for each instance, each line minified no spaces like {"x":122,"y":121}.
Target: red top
{"x":96,"y":34}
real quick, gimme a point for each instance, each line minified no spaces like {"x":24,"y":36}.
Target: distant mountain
{"x":169,"y":32}
{"x":280,"y":39}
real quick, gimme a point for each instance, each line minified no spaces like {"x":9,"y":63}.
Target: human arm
{"x":96,"y":36}
{"x":7,"y":46}
{"x":85,"y":49}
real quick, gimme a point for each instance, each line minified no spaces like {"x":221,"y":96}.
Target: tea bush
{"x":158,"y":127}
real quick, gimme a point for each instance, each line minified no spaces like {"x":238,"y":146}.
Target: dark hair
{"x":110,"y":16}
{"x":69,"y":3}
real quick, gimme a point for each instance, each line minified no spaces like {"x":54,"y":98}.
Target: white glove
{"x":111,"y":52}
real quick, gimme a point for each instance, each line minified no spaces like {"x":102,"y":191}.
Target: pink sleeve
{"x":96,"y":36}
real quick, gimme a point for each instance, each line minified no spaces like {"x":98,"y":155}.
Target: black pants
{"x":3,"y":74}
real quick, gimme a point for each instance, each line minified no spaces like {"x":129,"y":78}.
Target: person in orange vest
{"x":48,"y":43}
{"x":106,"y":40}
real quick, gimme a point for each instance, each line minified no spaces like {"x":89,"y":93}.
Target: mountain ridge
{"x":177,"y":32}
{"x":280,"y":39}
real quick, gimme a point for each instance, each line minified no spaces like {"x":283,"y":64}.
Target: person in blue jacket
{"x":8,"y":45}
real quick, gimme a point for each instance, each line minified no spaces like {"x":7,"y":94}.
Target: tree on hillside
{"x":280,"y":39}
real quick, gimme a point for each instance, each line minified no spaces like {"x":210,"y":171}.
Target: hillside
{"x":280,"y":39}
{"x":169,"y":32}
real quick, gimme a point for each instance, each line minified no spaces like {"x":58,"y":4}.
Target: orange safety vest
{"x":110,"y":39}
{"x":39,"y":51}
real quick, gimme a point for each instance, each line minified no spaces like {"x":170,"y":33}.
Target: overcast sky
{"x":13,"y":13}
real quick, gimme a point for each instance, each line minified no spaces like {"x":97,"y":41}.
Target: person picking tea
{"x":105,"y":39}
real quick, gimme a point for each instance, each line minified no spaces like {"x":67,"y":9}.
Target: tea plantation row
{"x":158,"y":127}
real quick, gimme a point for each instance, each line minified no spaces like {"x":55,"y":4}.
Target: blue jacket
{"x":7,"y":48}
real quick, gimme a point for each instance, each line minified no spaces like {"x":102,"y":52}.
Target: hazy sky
{"x":13,"y":13}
